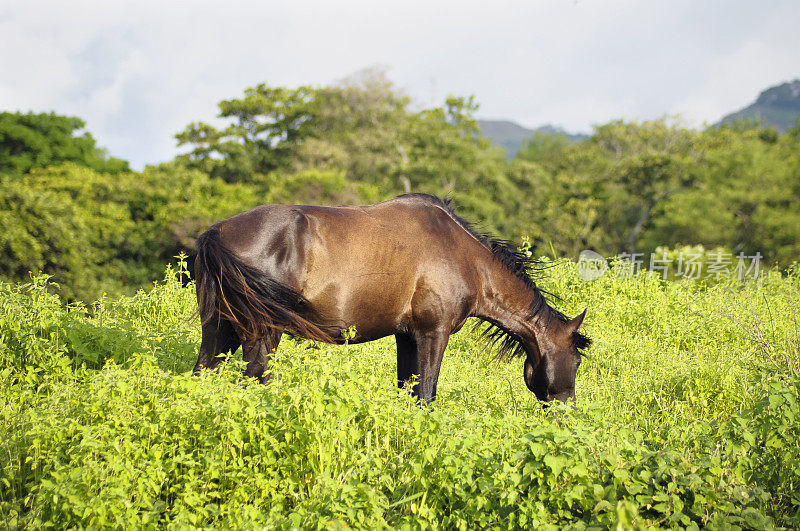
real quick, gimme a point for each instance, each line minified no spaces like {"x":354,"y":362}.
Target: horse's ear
{"x":576,"y":323}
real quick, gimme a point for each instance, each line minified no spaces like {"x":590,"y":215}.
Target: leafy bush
{"x":763,"y":442}
{"x":40,"y":339}
{"x":32,"y":331}
{"x":682,"y":420}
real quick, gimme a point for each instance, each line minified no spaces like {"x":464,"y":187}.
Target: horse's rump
{"x":253,"y":302}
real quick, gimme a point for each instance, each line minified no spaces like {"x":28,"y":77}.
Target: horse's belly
{"x":377,"y":307}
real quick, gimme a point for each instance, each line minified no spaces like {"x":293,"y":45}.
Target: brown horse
{"x":408,"y":267}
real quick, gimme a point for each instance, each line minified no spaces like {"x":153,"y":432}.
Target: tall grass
{"x":687,"y":416}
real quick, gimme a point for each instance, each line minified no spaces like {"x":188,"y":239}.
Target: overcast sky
{"x":138,"y":73}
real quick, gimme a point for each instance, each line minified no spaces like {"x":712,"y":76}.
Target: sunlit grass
{"x":687,"y":414}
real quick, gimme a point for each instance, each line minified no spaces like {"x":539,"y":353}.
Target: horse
{"x":409,"y":267}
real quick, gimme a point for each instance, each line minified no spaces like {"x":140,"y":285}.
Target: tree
{"x":361,"y":126}
{"x":358,"y":128}
{"x":29,"y":141}
{"x":98,"y":234}
{"x":746,"y":196}
{"x":544,"y":148}
{"x":644,"y":164}
{"x":267,"y":126}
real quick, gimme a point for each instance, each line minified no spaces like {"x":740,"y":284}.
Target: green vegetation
{"x":73,"y":213}
{"x":687,"y":416}
{"x":688,"y":402}
{"x":31,"y":140}
{"x":634,"y":187}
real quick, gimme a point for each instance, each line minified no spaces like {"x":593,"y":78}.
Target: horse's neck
{"x":507,"y":301}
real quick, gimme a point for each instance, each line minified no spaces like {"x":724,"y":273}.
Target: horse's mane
{"x":523,"y":267}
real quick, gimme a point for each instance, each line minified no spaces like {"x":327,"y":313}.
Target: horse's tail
{"x":240,"y":293}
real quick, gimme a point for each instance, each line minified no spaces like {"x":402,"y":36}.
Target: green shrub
{"x":686,"y":417}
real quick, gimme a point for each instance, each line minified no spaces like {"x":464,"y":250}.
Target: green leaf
{"x":555,"y":462}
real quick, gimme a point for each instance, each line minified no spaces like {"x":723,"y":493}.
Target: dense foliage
{"x":633,"y":187}
{"x":688,"y":415}
{"x":31,"y":140}
{"x":70,"y":211}
{"x":688,"y":411}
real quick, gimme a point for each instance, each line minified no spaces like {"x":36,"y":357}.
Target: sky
{"x":139,"y":72}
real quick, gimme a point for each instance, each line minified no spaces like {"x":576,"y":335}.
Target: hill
{"x":777,"y":107}
{"x":510,"y":135}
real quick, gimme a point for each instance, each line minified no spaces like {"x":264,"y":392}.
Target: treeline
{"x":70,"y":210}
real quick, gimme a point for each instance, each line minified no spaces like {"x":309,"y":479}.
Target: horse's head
{"x":551,"y":375}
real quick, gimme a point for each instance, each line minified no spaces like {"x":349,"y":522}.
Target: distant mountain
{"x":510,"y":135}
{"x":777,"y":107}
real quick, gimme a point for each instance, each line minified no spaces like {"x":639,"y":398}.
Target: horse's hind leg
{"x":258,"y":355}
{"x":406,"y":361}
{"x":219,"y":337}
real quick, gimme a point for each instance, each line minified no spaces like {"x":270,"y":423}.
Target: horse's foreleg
{"x":430,"y":350}
{"x":219,"y":337}
{"x":420,"y":353}
{"x":258,"y":355}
